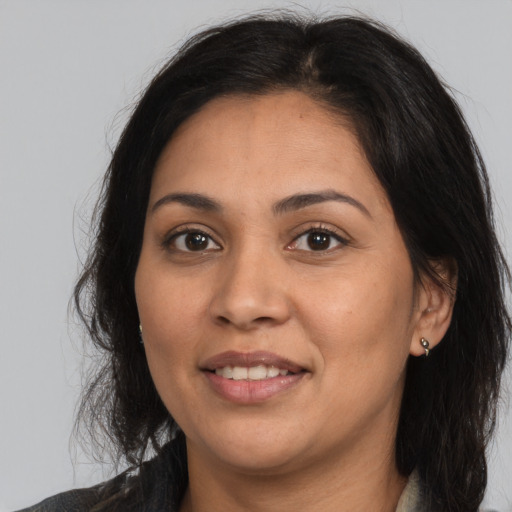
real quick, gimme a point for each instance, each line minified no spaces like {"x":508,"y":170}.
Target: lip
{"x":249,"y":360}
{"x":247,"y":391}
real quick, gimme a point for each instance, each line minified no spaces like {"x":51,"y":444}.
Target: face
{"x":275,"y":292}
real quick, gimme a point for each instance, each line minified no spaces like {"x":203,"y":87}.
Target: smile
{"x":249,"y":378}
{"x":260,"y":372}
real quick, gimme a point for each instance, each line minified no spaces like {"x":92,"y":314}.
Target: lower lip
{"x":252,"y":391}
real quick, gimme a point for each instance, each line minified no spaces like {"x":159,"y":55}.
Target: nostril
{"x":257,"y":321}
{"x":263,"y":319}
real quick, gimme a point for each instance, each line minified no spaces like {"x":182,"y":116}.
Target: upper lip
{"x":250,"y":359}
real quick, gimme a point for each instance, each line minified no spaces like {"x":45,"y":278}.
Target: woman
{"x":294,"y":241}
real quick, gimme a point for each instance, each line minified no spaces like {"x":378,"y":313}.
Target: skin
{"x":349,"y":313}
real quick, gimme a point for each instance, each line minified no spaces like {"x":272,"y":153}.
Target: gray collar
{"x":410,"y":498}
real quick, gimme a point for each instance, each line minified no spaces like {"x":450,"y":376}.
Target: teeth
{"x":253,"y":373}
{"x":257,"y":373}
{"x":274,"y":372}
{"x":239,"y":373}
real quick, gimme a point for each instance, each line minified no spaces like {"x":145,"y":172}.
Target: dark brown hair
{"x":421,"y":150}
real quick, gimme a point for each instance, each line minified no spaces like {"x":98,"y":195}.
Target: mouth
{"x":253,"y":377}
{"x":260,"y":372}
{"x":250,"y":365}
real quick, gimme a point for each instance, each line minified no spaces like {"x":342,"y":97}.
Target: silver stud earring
{"x":140,"y":335}
{"x":425,"y":344}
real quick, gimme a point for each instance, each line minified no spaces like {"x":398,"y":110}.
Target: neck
{"x":367,"y":481}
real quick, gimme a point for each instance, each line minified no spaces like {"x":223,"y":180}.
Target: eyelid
{"x":342,"y":238}
{"x":185,"y":229}
{"x":337,"y":234}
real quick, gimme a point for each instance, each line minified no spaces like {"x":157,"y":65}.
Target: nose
{"x":251,"y":293}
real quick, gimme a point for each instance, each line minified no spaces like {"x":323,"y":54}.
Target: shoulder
{"x":412,"y":497}
{"x":155,"y":485}
{"x":80,"y":500}
{"x":77,"y":500}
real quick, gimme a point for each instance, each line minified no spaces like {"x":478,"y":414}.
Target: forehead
{"x":249,"y":120}
{"x":284,"y":140}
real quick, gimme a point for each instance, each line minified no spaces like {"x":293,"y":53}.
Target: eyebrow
{"x":286,"y":205}
{"x":197,"y":201}
{"x":299,"y":201}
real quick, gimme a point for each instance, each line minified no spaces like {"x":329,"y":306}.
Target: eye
{"x":192,"y":241}
{"x":318,"y":239}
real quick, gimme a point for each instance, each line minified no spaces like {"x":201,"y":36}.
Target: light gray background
{"x":67,"y":69}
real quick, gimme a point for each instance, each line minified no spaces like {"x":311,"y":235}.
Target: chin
{"x":265,"y":462}
{"x":254,"y":452}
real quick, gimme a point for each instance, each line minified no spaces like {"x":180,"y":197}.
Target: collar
{"x":410,"y":499}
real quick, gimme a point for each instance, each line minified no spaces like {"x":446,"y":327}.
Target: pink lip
{"x":247,"y":391}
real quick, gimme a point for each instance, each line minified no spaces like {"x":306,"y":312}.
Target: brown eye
{"x":319,"y":241}
{"x":196,"y":241}
{"x":193,"y":241}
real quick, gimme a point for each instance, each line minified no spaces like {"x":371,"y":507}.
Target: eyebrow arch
{"x":197,"y":201}
{"x":288,"y":204}
{"x":299,"y":201}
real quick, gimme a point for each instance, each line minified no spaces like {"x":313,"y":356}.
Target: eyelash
{"x":169,"y":242}
{"x":321,"y":230}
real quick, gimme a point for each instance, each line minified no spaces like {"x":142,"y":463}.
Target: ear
{"x":435,"y":297}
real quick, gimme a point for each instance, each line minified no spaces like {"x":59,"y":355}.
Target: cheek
{"x":377,"y":300}
{"x":362,"y":333}
{"x":171,"y":349}
{"x":171,"y":342}
{"x":363,"y":325}
{"x":171,"y":307}
{"x":170,"y":314}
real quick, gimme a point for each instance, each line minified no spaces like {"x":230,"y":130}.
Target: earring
{"x":140,"y":335}
{"x":425,"y":344}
